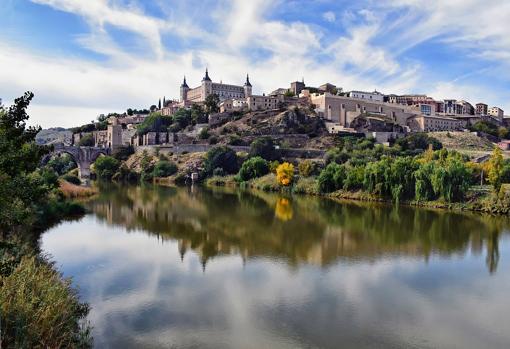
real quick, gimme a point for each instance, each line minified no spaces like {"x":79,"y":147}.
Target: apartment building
{"x":371,"y":96}
{"x":433,"y":123}
{"x":496,"y":112}
{"x":482,"y":109}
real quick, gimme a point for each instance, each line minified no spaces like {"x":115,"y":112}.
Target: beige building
{"x":432,"y":123}
{"x":496,"y":112}
{"x":264,"y":102}
{"x":343,"y":110}
{"x":207,"y":88}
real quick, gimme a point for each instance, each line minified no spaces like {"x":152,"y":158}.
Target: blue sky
{"x":82,"y":58}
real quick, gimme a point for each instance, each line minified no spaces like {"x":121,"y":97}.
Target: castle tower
{"x":206,"y":85}
{"x":247,"y":87}
{"x":184,"y":90}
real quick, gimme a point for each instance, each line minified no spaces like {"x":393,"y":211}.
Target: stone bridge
{"x":83,"y":156}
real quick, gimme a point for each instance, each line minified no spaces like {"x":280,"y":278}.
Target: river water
{"x":194,"y":268}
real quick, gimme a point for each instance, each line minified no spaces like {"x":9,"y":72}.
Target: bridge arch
{"x":83,"y":156}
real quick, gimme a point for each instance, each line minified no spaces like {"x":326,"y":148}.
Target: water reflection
{"x":181,"y":268}
{"x":296,"y":229}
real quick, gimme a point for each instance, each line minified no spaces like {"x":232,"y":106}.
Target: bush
{"x":106,"y":166}
{"x":264,"y":147}
{"x":235,"y":140}
{"x":218,"y":172}
{"x":72,"y":179}
{"x":164,"y":169}
{"x":273,"y":165}
{"x":40,"y":310}
{"x":419,"y":141}
{"x":337,"y":156}
{"x":62,"y":164}
{"x":86,"y":141}
{"x":204,"y":133}
{"x":331,"y":178}
{"x":285,"y":174}
{"x":253,"y":168}
{"x":221,"y":157}
{"x":306,"y":168}
{"x":213,"y":140}
{"x":124,"y":152}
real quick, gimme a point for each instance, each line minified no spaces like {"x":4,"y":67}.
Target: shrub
{"x":253,"y":168}
{"x":164,"y":169}
{"x":235,"y":140}
{"x":72,"y":179}
{"x":106,"y":166}
{"x":218,"y":172}
{"x":213,"y":140}
{"x":124,"y":152}
{"x":354,"y":179}
{"x":273,"y":165}
{"x":61,"y":164}
{"x":337,"y":156}
{"x":204,"y":133}
{"x":331,"y":178}
{"x":40,"y":310}
{"x":86,"y":141}
{"x":285,"y":174}
{"x":264,"y":147}
{"x":306,"y":168}
{"x":221,"y":157}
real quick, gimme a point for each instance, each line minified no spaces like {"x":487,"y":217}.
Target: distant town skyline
{"x":83,"y":58}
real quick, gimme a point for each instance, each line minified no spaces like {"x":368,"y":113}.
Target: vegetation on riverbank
{"x":38,"y":307}
{"x":411,"y":172}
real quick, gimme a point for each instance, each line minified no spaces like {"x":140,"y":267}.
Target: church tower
{"x":247,"y":87}
{"x":184,"y":90}
{"x":206,"y":85}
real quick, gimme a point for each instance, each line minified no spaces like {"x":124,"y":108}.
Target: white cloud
{"x":370,"y":54}
{"x":329,"y":16}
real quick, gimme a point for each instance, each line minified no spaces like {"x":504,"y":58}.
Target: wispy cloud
{"x":368,"y":48}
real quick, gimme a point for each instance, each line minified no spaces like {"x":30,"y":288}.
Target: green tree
{"x":331,"y":178}
{"x":87,"y":140}
{"x":265,"y":148}
{"x":221,"y":157}
{"x":164,"y":169}
{"x":106,"y":166}
{"x":253,"y":168}
{"x":495,"y":168}
{"x":212,"y":103}
{"x":424,"y":191}
{"x":451,"y":180}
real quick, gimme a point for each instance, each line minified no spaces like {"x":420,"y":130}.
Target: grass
{"x":73,"y":191}
{"x":40,"y":309}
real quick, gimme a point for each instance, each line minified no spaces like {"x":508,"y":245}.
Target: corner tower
{"x":206,"y":85}
{"x":247,"y":87}
{"x":184,"y":90}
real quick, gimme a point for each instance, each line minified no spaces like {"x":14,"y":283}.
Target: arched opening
{"x":63,"y":165}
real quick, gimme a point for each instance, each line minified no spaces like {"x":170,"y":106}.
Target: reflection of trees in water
{"x":298,"y":229}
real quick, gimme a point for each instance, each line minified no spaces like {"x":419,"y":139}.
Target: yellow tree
{"x":495,"y":168}
{"x":285,"y":174}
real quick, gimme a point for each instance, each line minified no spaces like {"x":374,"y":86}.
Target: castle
{"x":207,"y":87}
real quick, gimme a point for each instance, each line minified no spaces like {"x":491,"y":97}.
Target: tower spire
{"x":206,"y":77}
{"x":247,"y":83}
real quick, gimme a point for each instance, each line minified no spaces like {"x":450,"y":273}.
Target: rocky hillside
{"x":54,"y":135}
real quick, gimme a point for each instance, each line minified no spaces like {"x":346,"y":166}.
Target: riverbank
{"x":39,"y":307}
{"x":476,"y":200}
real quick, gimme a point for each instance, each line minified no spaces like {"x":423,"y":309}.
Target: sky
{"x":82,"y":58}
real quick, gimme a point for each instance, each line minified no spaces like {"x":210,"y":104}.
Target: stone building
{"x":496,"y":112}
{"x":482,"y":109}
{"x":342,"y":110}
{"x":433,"y":123}
{"x":208,"y":87}
{"x":371,"y":96}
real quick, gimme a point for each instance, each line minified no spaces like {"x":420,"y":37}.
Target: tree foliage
{"x":106,"y":166}
{"x":221,"y":157}
{"x":253,"y":168}
{"x":285,"y":174}
{"x":265,"y":148}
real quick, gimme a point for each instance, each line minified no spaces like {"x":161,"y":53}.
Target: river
{"x":198,"y":268}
